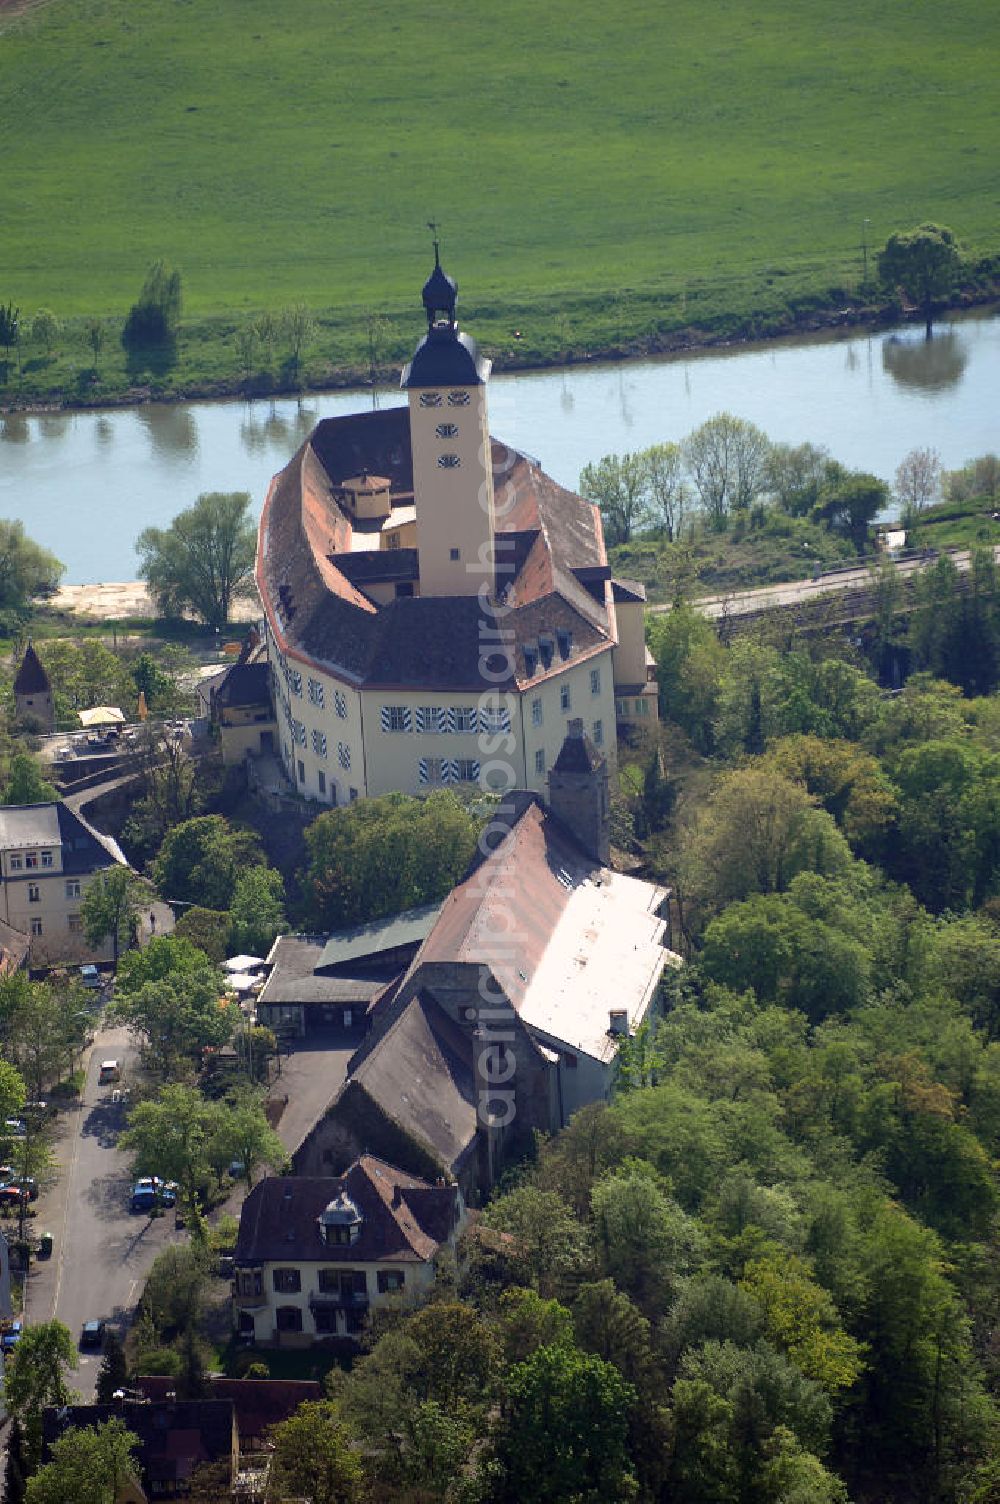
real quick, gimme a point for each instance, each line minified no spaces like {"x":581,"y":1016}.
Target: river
{"x":86,"y":483}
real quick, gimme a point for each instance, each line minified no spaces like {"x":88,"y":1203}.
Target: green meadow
{"x":602,"y":174}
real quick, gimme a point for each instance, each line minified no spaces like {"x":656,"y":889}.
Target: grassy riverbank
{"x":607,"y":178}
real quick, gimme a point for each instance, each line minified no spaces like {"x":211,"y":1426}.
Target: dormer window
{"x":340,"y":1222}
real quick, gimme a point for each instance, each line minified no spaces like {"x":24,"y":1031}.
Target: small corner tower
{"x":450,"y":443}
{"x":33,"y":692}
{"x":579,"y":794}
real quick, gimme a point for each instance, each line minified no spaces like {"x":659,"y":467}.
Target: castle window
{"x":31,"y":859}
{"x":15,"y":861}
{"x":430,"y":399}
{"x":396,"y":718}
{"x":301,"y":770}
{"x":493,"y":719}
{"x":74,"y":924}
{"x":540,"y":760}
{"x":448,"y":461}
{"x":431,"y":718}
{"x":36,"y":927}
{"x":466,"y":770}
{"x":446,"y":430}
{"x":598,"y":734}
{"x":595,"y":681}
{"x":73,"y":888}
{"x":340,"y":704}
{"x":299,"y":732}
{"x":454,"y":554}
{"x":462,"y":718}
{"x":343,"y":754}
{"x":431,"y":770}
{"x":536,"y":712}
{"x":565,"y":702}
{"x":33,"y":893}
{"x":295,"y":679}
{"x":316,"y":692}
{"x":288,"y":1319}
{"x":287,"y":1281}
{"x":321,"y":781}
{"x":642,"y":706}
{"x":46,"y":859}
{"x":621,"y":707}
{"x":392,"y":540}
{"x":319,"y":743}
{"x":458,"y":399}
{"x":390,"y":1281}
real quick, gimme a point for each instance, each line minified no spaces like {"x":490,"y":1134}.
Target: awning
{"x":243,"y":963}
{"x":240,"y":983}
{"x":102,"y":715}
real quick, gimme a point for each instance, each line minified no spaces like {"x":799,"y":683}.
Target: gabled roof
{"x":84,"y":848}
{"x":588,"y":939}
{"x":403,"y":1219}
{"x":175,"y":1436}
{"x":243,"y":684}
{"x":368,"y":941}
{"x":418,"y":1072}
{"x":31,"y":676}
{"x":258,"y":1403}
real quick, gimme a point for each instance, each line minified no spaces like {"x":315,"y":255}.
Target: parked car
{"x":45,"y":1245}
{"x":110,"y":1071}
{"x":11,"y":1196}
{"x":11,"y":1335}
{"x":24,"y":1185}
{"x":92,"y":1334}
{"x":90,"y":976}
{"x":150,"y":1191}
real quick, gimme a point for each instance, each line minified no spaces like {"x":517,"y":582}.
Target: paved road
{"x":102,"y":1252}
{"x":795,"y":592}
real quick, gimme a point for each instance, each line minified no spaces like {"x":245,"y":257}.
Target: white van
{"x":110,"y":1071}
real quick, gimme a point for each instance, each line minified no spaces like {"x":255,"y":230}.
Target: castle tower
{"x":33,"y":692}
{"x":450,"y":443}
{"x":579,"y":795}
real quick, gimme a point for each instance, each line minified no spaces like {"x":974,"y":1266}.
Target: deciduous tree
{"x":176,"y":1137}
{"x":204,"y":560}
{"x":25,"y":784}
{"x":201,"y":859}
{"x":918,"y":480}
{"x":925,"y":263}
{"x":88,"y":1465}
{"x":26,"y":569}
{"x":382,"y":855}
{"x":618,"y":483}
{"x":154,"y":318}
{"x":726,"y":458}
{"x":315,"y":1458}
{"x":257,"y":911}
{"x":110,"y":908}
{"x":35,"y":1377}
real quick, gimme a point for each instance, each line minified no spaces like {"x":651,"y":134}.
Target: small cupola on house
{"x":340,"y":1221}
{"x":450,"y":444}
{"x":33,"y":692}
{"x":579,"y":795}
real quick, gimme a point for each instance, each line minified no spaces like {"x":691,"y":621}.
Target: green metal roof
{"x":411,"y":927}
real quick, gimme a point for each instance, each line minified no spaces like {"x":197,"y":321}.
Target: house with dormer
{"x":316,"y":1255}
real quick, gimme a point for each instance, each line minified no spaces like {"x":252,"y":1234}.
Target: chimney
{"x":578,"y":792}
